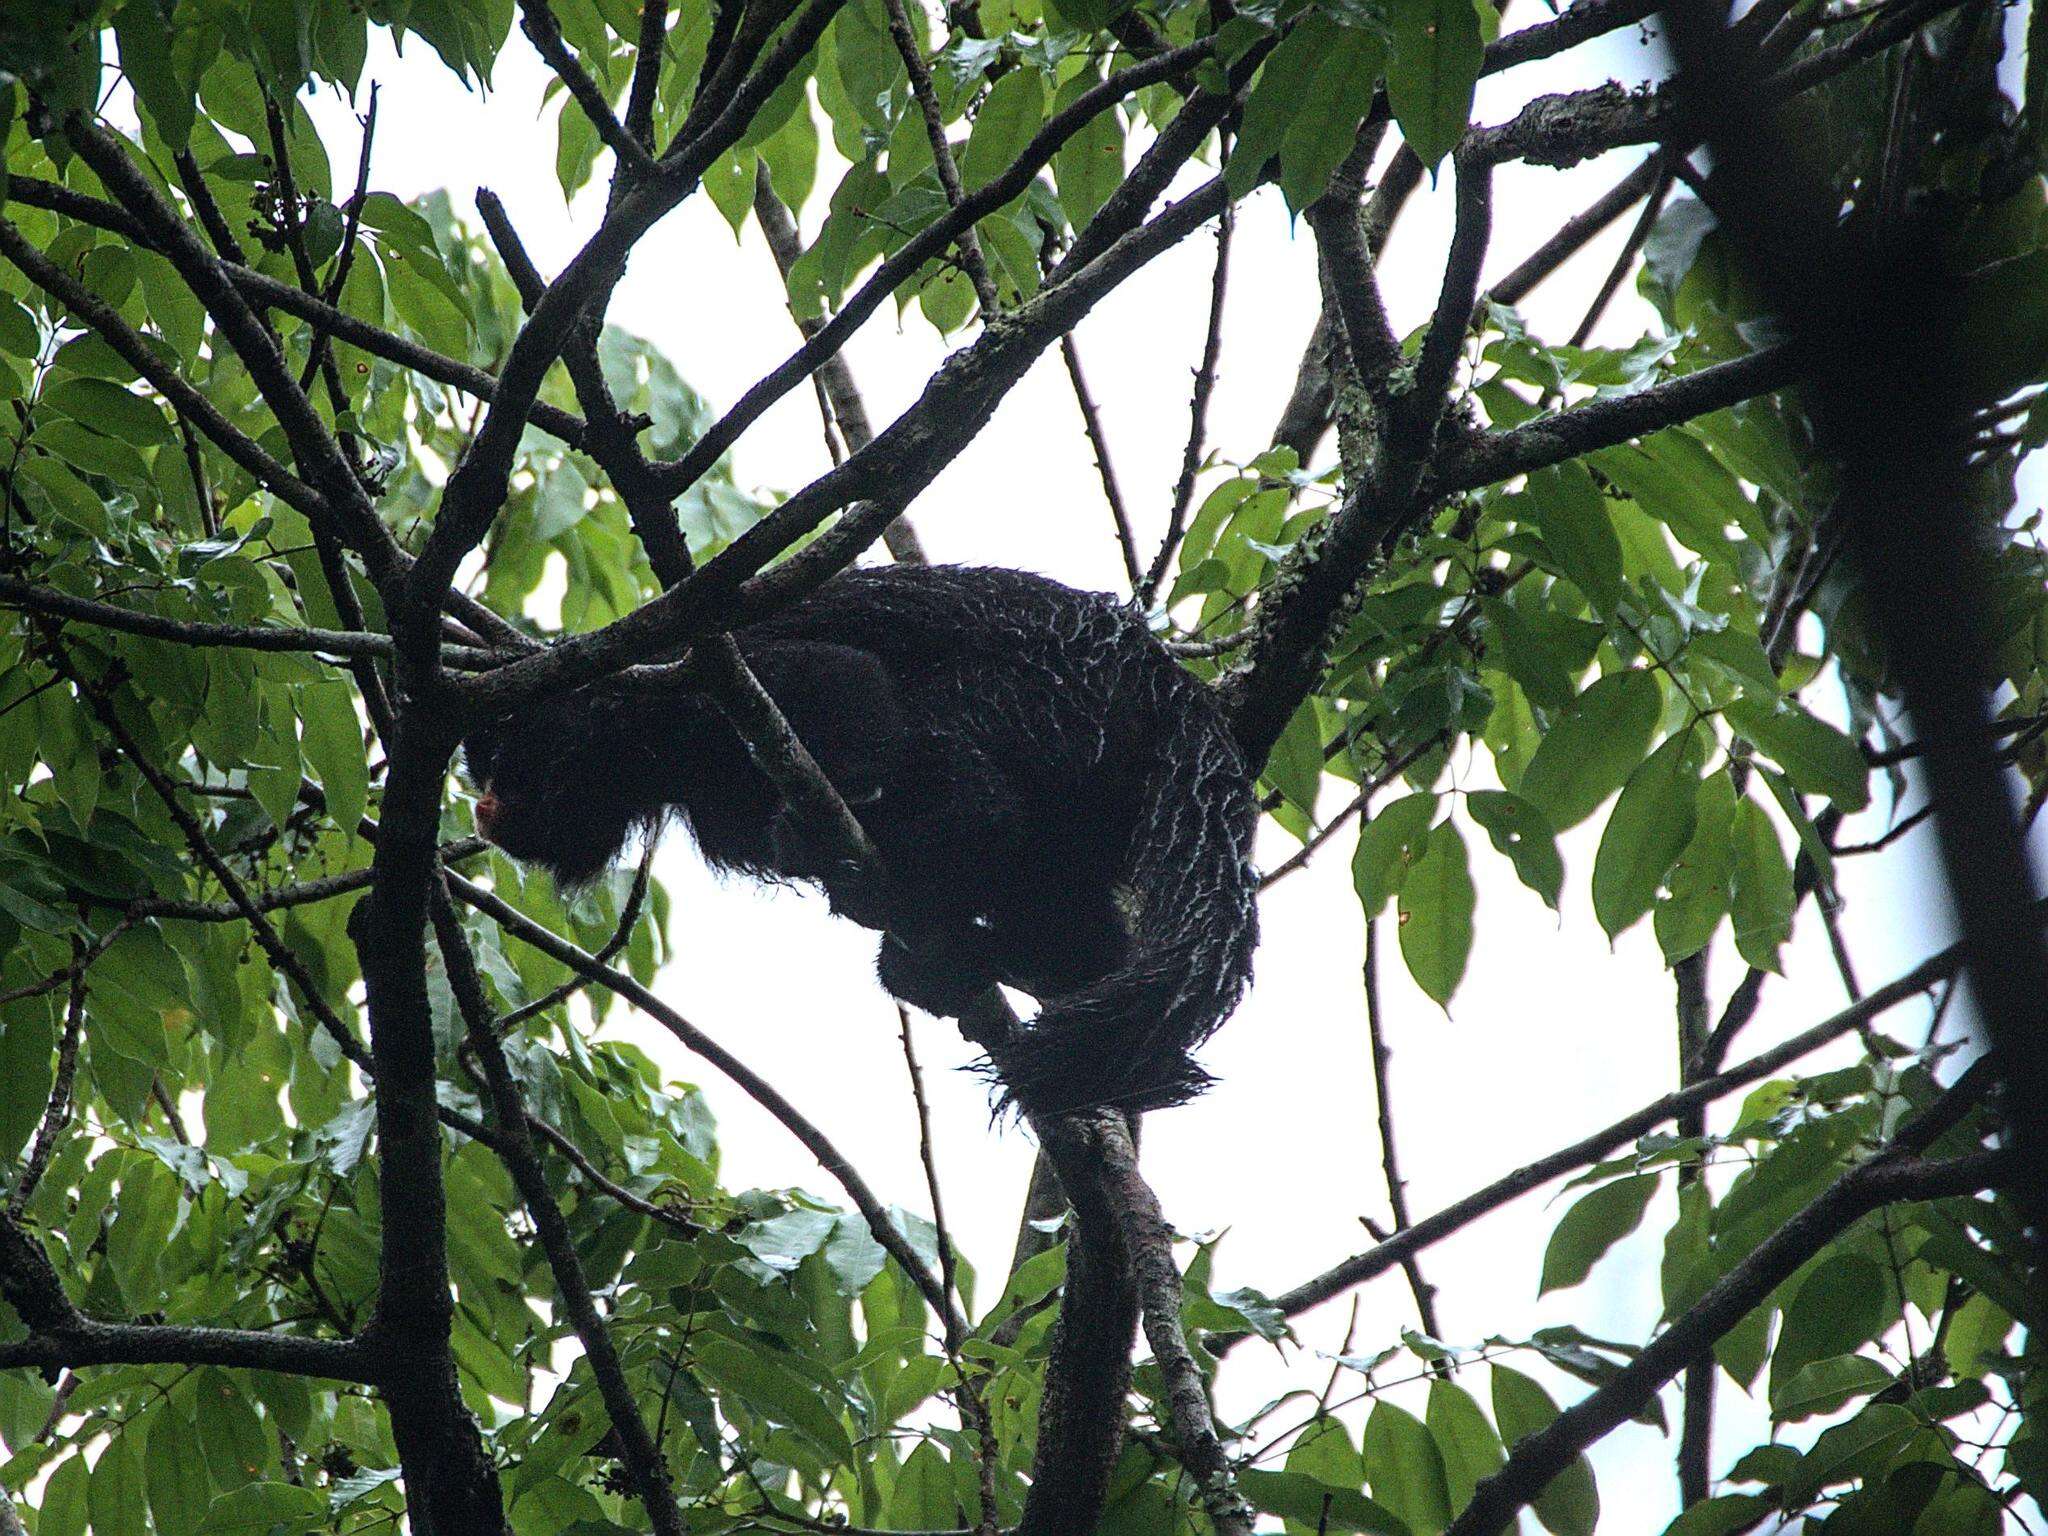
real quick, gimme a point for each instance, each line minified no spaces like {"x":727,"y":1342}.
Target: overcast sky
{"x":1552,"y":1033}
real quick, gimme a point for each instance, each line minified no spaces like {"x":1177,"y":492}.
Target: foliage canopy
{"x":325,"y":1197}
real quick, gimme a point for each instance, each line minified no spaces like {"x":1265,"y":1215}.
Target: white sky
{"x":1552,"y":1033}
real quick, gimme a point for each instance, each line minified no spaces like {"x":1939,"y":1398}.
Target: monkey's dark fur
{"x":1058,"y":805}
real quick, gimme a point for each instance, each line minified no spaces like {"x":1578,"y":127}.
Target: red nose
{"x":488,"y":809}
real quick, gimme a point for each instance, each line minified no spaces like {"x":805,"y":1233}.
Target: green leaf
{"x":947,"y":299}
{"x":1762,"y":899}
{"x":66,"y":1499}
{"x":51,"y":489}
{"x":1723,"y":1515}
{"x":1315,"y":1504}
{"x":1467,"y":1441}
{"x":1387,"y":845}
{"x":1698,"y":886}
{"x":1280,"y":92}
{"x":1295,"y":765}
{"x":1436,"y":914}
{"x":1847,"y":1451}
{"x":332,"y":741}
{"x":1842,"y":1304}
{"x":257,"y":1509}
{"x":152,"y":60}
{"x":1594,"y":1224}
{"x":1649,"y":828}
{"x":1593,"y":747}
{"x":115,"y":1494}
{"x":922,"y":1496}
{"x":729,"y":181}
{"x":772,"y":1389}
{"x":1570,"y":1505}
{"x":179,"y":1489}
{"x":107,"y":407}
{"x":1523,"y":833}
{"x":1578,"y":530}
{"x":27,"y":1068}
{"x":1011,"y":113}
{"x":1323,"y":122}
{"x":1090,"y":165}
{"x":1818,"y":758}
{"x":1433,"y":66}
{"x":1824,"y":1386}
{"x":1404,"y":1469}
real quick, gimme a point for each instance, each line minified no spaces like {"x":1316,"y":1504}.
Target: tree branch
{"x":1886,"y":1178}
{"x":1149,"y":1242}
{"x":514,"y":1146}
{"x":56,"y":1113}
{"x":1198,"y":416}
{"x":679,"y":474}
{"x":538,"y":22}
{"x":1590,"y":1149}
{"x":750,"y":1082}
{"x":969,"y":243}
{"x":18,"y":593}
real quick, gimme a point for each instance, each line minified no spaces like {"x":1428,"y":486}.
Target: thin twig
{"x":57,"y":1113}
{"x":1390,"y":1163}
{"x":1198,"y":413}
{"x":1098,"y":440}
{"x":622,"y":933}
{"x":323,"y":339}
{"x":1626,"y":257}
{"x":973,"y":1403}
{"x":1359,"y":802}
{"x":911,"y":51}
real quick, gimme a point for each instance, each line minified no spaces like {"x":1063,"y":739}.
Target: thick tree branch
{"x":538,"y":22}
{"x":451,"y":1484}
{"x":1088,"y":1369}
{"x":678,"y":475}
{"x":514,"y":1145}
{"x":1149,"y":1243}
{"x":895,"y":467}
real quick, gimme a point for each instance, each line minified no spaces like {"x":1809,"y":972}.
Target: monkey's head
{"x":552,"y":788}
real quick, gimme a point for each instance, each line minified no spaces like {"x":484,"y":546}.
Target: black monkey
{"x":1058,"y":805}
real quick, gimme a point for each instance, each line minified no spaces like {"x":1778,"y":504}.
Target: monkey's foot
{"x":930,"y":978}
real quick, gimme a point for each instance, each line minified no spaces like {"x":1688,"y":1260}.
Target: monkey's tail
{"x":1126,"y":1040}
